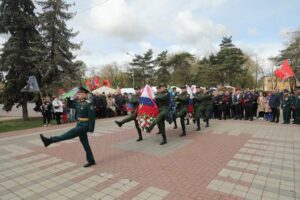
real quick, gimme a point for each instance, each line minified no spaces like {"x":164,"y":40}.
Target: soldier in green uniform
{"x":198,"y":98}
{"x":203,"y":104}
{"x":286,"y":107}
{"x":297,"y":105}
{"x":86,"y":123}
{"x":183,"y":100}
{"x":163,"y":102}
{"x":134,"y":100}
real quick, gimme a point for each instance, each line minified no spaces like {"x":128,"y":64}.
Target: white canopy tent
{"x":104,"y":89}
{"x":127,"y":90}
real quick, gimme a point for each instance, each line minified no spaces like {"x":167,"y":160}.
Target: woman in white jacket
{"x":58,"y":109}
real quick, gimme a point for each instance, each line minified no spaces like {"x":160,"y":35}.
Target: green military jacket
{"x":182,"y":100}
{"x":163,"y":101}
{"x":85,"y":115}
{"x":203,"y":101}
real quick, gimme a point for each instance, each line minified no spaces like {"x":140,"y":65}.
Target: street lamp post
{"x":132,"y":70}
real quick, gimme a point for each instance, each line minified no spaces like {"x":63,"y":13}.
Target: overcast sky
{"x":110,"y":28}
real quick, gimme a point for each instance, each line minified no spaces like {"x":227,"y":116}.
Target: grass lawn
{"x":19,"y":124}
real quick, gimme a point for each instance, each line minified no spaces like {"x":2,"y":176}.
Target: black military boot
{"x":89,"y":164}
{"x":182,"y":134}
{"x":140,"y":136}
{"x":45,"y":140}
{"x":119,"y":123}
{"x":198,"y":125}
{"x":164,"y":141}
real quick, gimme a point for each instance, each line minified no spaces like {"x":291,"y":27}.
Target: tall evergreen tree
{"x":230,"y":61}
{"x":20,"y":55}
{"x":58,"y":63}
{"x":143,"y":67}
{"x":162,"y":74}
{"x":181,"y":64}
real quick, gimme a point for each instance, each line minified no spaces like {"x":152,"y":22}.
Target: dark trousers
{"x":232,"y":110}
{"x":261,"y":114}
{"x":286,"y":115}
{"x":46,"y":117}
{"x":222,"y":111}
{"x":81,"y":132}
{"x":276,"y":114}
{"x":249,"y":110}
{"x":58,"y":117}
{"x":255,"y":106}
{"x":238,"y":111}
{"x":215,"y":111}
{"x":174,"y":120}
{"x":130,"y":118}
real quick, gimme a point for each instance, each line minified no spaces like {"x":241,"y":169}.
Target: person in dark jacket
{"x":274,"y":103}
{"x":46,"y":111}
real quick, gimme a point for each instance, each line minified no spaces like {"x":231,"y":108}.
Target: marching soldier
{"x":86,"y":123}
{"x":203,"y":104}
{"x":163,"y":102}
{"x":135,"y":102}
{"x":183,"y":100}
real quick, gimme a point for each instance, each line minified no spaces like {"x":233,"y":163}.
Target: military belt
{"x":83,"y":119}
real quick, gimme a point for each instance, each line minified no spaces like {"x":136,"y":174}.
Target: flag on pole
{"x":285,"y":71}
{"x":147,"y":110}
{"x":32,"y":85}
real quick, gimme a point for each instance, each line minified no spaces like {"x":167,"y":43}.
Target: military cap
{"x":198,"y":87}
{"x":137,"y":88}
{"x":82,"y":89}
{"x":286,"y":91}
{"x":297,"y":87}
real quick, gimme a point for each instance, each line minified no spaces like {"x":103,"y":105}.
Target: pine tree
{"x":58,"y":66}
{"x":162,"y":74}
{"x":20,"y":55}
{"x":230,"y":61}
{"x":143,"y":67}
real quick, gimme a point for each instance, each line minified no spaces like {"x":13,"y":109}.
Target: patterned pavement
{"x":230,"y":160}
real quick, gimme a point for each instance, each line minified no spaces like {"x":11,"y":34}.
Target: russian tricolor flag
{"x":147,"y":110}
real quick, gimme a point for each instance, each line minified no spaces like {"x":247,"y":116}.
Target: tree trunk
{"x":25,"y":110}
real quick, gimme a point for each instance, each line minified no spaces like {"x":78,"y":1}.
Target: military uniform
{"x":163,"y":102}
{"x":286,"y":107}
{"x":135,"y":102}
{"x":183,"y":100}
{"x":86,"y":123}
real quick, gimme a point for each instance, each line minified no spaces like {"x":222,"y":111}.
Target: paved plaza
{"x":230,"y":160}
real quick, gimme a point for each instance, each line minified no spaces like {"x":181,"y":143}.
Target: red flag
{"x":88,"y":84}
{"x":106,"y":83}
{"x":285,"y":67}
{"x":280,"y":74}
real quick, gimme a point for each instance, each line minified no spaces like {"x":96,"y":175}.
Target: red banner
{"x":285,"y":71}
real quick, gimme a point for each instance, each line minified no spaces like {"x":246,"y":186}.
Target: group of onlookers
{"x":111,"y":104}
{"x":62,"y":110}
{"x":250,"y":104}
